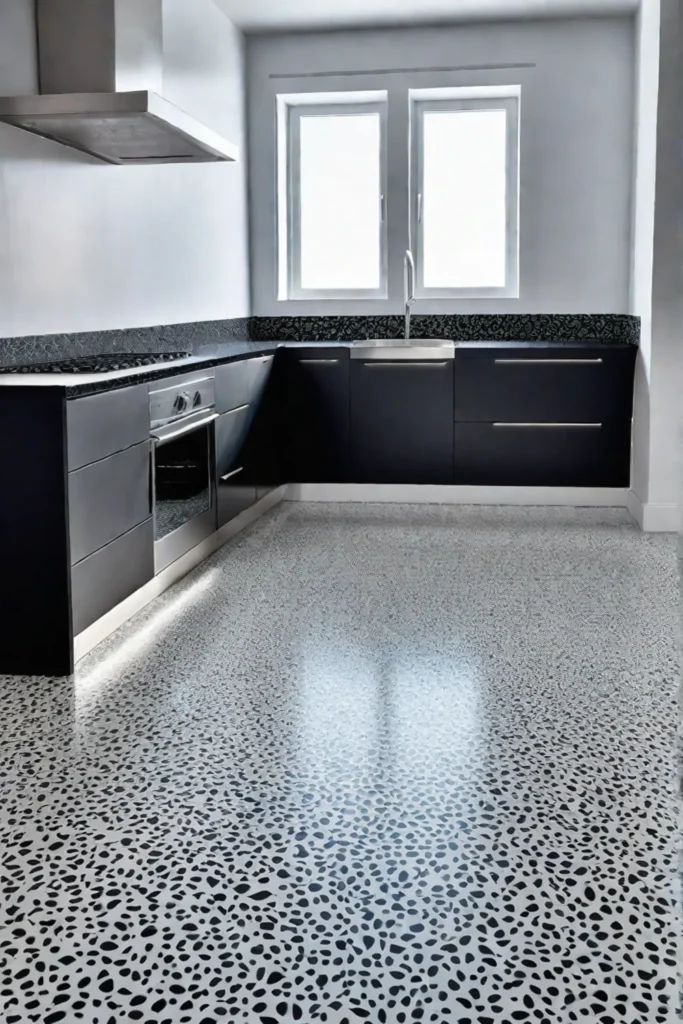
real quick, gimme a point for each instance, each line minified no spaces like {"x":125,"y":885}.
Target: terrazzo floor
{"x":380,"y":763}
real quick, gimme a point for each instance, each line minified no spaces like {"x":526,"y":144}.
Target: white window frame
{"x":511,"y":105}
{"x":293,"y":219}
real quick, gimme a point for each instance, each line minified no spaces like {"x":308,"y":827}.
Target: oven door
{"x":183,"y":487}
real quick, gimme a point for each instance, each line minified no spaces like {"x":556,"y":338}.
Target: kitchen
{"x":207,"y":409}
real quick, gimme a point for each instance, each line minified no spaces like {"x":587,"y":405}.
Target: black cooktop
{"x":108,"y":363}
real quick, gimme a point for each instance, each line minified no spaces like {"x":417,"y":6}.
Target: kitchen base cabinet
{"x":110,"y":575}
{"x":542,"y":455}
{"x":266,"y":439}
{"x":317,"y":396}
{"x":402,"y":422}
{"x":234,"y":492}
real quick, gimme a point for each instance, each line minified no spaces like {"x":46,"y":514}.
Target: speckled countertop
{"x":78,"y":385}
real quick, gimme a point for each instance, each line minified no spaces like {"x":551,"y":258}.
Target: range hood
{"x":100,"y":70}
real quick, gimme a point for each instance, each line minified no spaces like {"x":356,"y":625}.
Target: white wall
{"x":87,"y":246}
{"x":576,"y":148}
{"x":665,"y":479}
{"x":644,"y":191}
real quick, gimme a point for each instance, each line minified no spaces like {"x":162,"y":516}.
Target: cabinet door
{"x":402,"y":422}
{"x":107,"y":499}
{"x":543,"y":455}
{"x":265,"y":440}
{"x":232,"y":386}
{"x":572,"y":385}
{"x":318,"y":415}
{"x":100,"y":425}
{"x":234,"y":491}
{"x":110,"y":575}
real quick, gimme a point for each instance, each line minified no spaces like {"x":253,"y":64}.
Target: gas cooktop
{"x":108,"y":363}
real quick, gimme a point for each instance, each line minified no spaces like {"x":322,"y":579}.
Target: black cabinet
{"x":562,"y":385}
{"x":235,"y":493}
{"x":317,"y":395}
{"x":544,"y":415}
{"x":543,"y":455}
{"x":402,"y":422}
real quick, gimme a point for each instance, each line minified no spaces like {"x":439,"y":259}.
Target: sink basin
{"x":397,"y":350}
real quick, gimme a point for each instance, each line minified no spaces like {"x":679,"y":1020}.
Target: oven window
{"x":182,"y":481}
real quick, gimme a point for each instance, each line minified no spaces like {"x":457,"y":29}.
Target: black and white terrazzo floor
{"x":376,"y":763}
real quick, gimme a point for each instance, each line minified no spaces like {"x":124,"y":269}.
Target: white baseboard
{"x":109,"y":623}
{"x":596,"y":497}
{"x":652,"y":518}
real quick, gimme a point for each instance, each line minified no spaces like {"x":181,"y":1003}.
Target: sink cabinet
{"x":402,"y":422}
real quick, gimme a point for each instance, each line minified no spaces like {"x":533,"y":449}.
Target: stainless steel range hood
{"x":100,"y":67}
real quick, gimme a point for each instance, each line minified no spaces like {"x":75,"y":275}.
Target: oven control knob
{"x":197,"y":400}
{"x":180,"y":403}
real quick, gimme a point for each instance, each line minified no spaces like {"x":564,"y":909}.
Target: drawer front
{"x":543,"y":456}
{"x":231,"y":433}
{"x":232,"y":385}
{"x":572,"y":387}
{"x":107,"y":499}
{"x":110,"y":575}
{"x":101,"y":425}
{"x":258,"y":371}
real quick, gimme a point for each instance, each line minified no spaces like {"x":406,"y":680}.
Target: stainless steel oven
{"x":182,"y":472}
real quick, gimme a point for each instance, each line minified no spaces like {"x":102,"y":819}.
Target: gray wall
{"x":666,"y":357}
{"x":86,"y":246}
{"x":576,"y":148}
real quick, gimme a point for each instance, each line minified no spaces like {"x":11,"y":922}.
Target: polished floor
{"x":381,"y":763}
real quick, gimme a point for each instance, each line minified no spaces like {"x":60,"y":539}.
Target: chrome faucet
{"x":408,"y":287}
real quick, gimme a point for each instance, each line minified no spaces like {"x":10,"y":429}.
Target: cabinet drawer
{"x":539,"y":455}
{"x":101,"y":425}
{"x":576,"y":386}
{"x":231,"y":433}
{"x":107,"y":499}
{"x":110,"y":575}
{"x":258,"y":371}
{"x":232,"y":385}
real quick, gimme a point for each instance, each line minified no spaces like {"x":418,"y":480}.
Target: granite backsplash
{"x":195,"y":337}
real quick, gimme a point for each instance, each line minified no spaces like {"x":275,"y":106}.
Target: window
{"x":344,"y":223}
{"x":336,"y":240}
{"x":465,"y":196}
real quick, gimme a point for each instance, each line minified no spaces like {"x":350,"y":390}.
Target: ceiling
{"x":282,"y":15}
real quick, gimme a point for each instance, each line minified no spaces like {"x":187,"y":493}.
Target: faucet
{"x":408,"y":287}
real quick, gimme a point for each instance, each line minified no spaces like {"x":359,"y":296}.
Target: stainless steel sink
{"x":396,"y":350}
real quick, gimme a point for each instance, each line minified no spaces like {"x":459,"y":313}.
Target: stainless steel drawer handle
{"x":319,"y":362}
{"x":548,"y":362}
{"x":231,"y":412}
{"x":550,"y":426}
{"x":234,"y":473}
{"x":383,"y":364}
{"x":196,"y":425}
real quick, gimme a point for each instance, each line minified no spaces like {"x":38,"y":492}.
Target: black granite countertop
{"x":230,"y":351}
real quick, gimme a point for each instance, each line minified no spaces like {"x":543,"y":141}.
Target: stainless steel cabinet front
{"x":108,"y":498}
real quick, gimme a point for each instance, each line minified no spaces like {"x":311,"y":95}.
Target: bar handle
{"x":549,"y":426}
{"x":228,"y":476}
{"x":546,"y":362}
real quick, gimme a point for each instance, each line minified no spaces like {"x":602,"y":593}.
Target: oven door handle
{"x":162,"y":438}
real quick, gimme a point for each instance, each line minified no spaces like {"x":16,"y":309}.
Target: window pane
{"x":464,"y":199}
{"x":340,"y":195}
